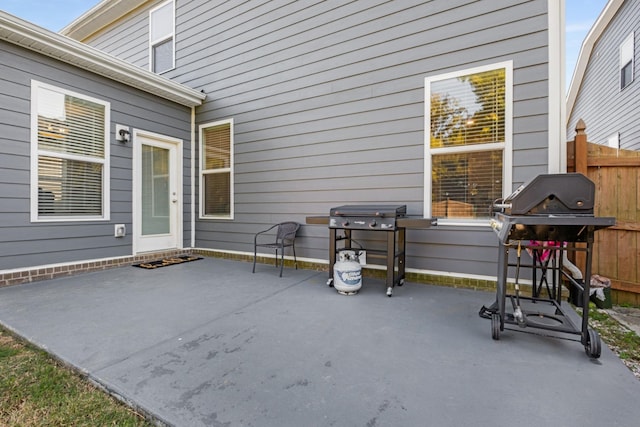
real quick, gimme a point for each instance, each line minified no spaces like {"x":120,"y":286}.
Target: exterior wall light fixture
{"x":123,"y":134}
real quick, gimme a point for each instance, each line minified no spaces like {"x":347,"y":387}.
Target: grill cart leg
{"x":401,"y":255}
{"x":332,"y":254}
{"x":391,"y":261}
{"x":518,"y":315}
{"x":590,"y":338}
{"x":396,"y":250}
{"x":501,"y":288}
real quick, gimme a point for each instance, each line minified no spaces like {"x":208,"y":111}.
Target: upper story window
{"x":69,"y":155}
{"x":626,"y":61}
{"x":216,"y":170}
{"x":162,"y":37}
{"x":468,"y":142}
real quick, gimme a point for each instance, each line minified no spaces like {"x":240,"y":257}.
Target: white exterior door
{"x":157,"y":199}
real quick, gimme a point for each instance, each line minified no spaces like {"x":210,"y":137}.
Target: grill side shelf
{"x":408,"y":222}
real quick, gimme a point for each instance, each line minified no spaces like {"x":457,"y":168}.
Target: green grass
{"x":36,"y":390}
{"x":622,"y":341}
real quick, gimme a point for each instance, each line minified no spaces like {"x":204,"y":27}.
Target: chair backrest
{"x":288,"y":230}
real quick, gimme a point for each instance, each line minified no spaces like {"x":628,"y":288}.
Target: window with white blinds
{"x":69,"y":155}
{"x":161,"y":37}
{"x":468,"y":122}
{"x":216,"y":170}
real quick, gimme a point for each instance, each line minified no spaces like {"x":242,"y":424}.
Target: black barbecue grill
{"x":390,"y":219}
{"x":549,"y":215}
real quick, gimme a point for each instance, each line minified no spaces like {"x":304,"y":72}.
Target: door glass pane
{"x":155,"y":191}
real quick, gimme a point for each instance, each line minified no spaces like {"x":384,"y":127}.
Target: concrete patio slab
{"x":207,"y":343}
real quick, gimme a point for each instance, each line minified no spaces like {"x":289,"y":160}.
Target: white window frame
{"x":36,"y":152}
{"x":505,"y":146}
{"x":163,"y":38}
{"x":627,"y":55}
{"x":230,"y":170}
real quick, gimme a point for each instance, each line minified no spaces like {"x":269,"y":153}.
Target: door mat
{"x":167,"y":261}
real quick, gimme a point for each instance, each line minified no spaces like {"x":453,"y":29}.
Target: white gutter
{"x":25,"y":34}
{"x":193,"y":177}
{"x":557,"y":153}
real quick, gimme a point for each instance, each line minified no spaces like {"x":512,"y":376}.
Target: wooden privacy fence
{"x":616,"y":174}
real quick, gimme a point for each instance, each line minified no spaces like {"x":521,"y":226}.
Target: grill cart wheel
{"x":593,"y":347}
{"x":495,"y":326}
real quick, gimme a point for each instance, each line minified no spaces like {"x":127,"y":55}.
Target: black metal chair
{"x":285,"y":237}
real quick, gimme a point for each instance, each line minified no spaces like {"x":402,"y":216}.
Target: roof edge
{"x":30,"y":36}
{"x":98,"y":17}
{"x":603,"y":21}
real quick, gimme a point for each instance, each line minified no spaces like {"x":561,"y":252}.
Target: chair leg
{"x":295,"y":260}
{"x":281,"y":261}
{"x":276,"y":260}
{"x":255,"y":253}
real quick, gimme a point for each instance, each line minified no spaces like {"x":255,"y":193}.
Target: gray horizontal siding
{"x":23,"y":244}
{"x":334,"y":114}
{"x":600,"y":102}
{"x":327,"y":99}
{"x":129,"y":39}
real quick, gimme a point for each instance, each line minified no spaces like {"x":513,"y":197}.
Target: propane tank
{"x":347,"y":273}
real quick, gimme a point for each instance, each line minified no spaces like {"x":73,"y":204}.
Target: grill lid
{"x":553,"y":194}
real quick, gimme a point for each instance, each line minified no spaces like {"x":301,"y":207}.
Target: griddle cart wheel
{"x":495,"y":326}
{"x":593,"y":347}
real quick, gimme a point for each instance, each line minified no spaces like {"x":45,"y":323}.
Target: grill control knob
{"x":373,"y":223}
{"x":345,"y":223}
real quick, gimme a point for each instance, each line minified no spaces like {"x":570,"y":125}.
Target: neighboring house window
{"x":216,"y":170}
{"x":626,"y":61}
{"x":468,"y":141}
{"x":69,"y":155}
{"x":161,"y":37}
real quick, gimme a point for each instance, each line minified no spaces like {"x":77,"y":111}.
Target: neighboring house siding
{"x":328,"y":105}
{"x":26,"y":244}
{"x":605,"y":109}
